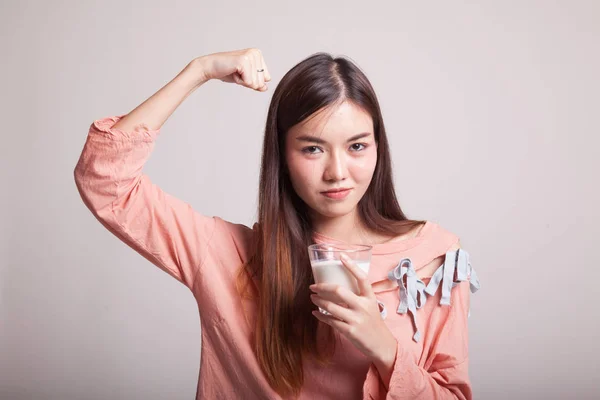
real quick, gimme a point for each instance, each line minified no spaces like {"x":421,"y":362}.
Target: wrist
{"x":386,"y":359}
{"x":196,"y":72}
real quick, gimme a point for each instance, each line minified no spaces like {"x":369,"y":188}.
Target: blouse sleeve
{"x":445,"y":374}
{"x":163,"y":229}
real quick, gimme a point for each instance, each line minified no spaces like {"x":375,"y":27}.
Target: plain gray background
{"x":492,"y":113}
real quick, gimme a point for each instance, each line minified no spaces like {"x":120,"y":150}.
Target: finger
{"x":255,"y":79}
{"x":246,"y":71}
{"x":251,"y":70}
{"x":260,"y":75}
{"x":336,"y":293}
{"x":266,"y":74}
{"x":334,"y":309}
{"x":340,"y":326}
{"x":364,"y":286}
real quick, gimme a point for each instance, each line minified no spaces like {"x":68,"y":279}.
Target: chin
{"x":334,"y":211}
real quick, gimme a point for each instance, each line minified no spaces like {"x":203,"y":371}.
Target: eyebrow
{"x":314,"y":139}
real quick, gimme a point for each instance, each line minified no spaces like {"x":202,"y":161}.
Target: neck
{"x":347,"y":228}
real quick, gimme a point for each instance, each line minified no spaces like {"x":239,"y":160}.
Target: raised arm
{"x":109,"y":177}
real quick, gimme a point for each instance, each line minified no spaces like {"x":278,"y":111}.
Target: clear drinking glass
{"x":327,"y":266}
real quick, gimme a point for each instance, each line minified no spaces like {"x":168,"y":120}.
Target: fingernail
{"x":344,"y":257}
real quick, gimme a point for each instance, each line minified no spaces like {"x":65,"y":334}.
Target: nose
{"x":335,"y":170}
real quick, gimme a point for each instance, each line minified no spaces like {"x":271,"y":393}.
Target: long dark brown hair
{"x":279,"y":270}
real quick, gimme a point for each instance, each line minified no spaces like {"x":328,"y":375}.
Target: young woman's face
{"x":333,"y":149}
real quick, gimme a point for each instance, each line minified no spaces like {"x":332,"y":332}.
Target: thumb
{"x":237,"y":79}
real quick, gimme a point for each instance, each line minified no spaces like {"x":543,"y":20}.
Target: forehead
{"x":342,"y":121}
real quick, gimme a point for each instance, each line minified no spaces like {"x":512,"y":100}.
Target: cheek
{"x":363,"y":174}
{"x":364,"y":168}
{"x":304,"y":175}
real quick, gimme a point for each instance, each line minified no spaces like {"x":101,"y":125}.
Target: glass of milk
{"x":327,"y":266}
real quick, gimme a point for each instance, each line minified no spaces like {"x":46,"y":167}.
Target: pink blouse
{"x":427,"y":314}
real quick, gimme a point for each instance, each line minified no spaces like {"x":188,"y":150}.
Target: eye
{"x":307,"y":149}
{"x":364,"y":146}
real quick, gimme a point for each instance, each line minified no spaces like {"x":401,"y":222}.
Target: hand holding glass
{"x":327,"y":266}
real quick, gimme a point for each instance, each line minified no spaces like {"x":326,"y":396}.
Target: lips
{"x":336,"y":190}
{"x":337,"y":194}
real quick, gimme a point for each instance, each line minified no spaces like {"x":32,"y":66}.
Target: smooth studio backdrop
{"x":491,"y":109}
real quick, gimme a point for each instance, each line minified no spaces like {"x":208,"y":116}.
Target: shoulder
{"x":435,"y":233}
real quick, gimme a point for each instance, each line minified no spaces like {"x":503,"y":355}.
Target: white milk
{"x":333,"y":271}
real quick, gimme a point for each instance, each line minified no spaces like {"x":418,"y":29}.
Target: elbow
{"x":80,"y":178}
{"x":84,"y":190}
{"x":90,"y":190}
{"x":77,"y":177}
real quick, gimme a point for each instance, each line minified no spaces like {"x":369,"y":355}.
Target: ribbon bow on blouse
{"x":456,"y":268}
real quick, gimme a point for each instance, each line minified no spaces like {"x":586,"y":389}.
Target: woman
{"x":261,"y":336}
